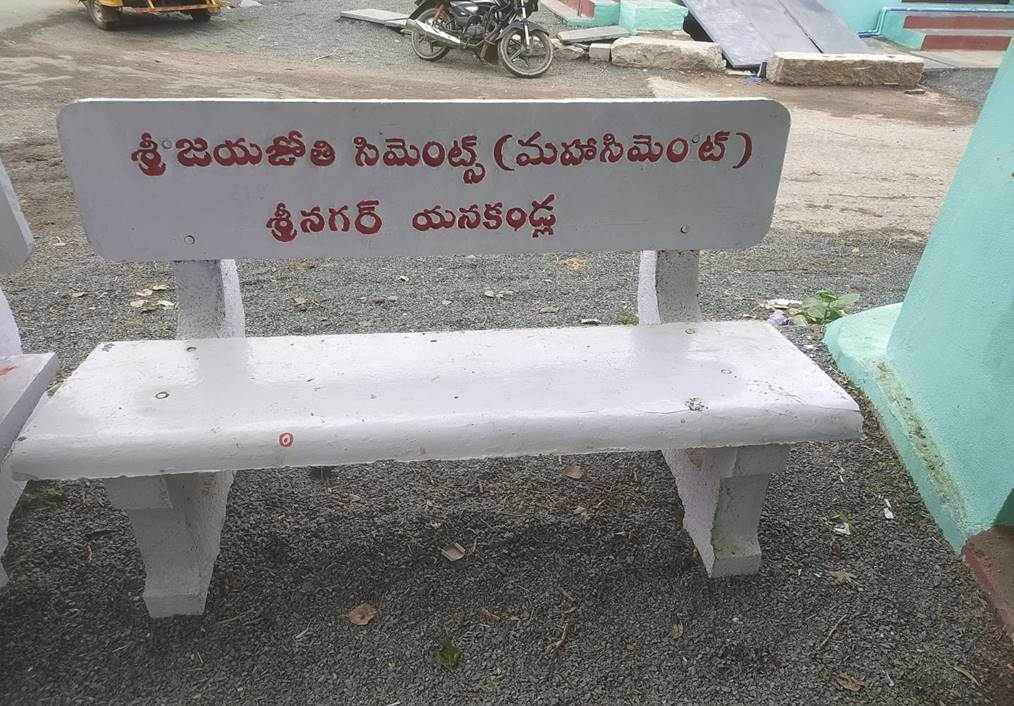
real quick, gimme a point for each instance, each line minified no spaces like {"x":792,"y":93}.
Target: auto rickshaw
{"x":107,"y":13}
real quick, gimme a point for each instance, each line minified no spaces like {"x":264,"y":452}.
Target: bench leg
{"x":177,"y":521}
{"x":722,"y":492}
{"x":10,"y":491}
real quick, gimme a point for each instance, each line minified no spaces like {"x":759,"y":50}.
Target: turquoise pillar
{"x":939,"y":367}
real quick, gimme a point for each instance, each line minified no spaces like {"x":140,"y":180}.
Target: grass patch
{"x":47,"y":496}
{"x":626,"y":318}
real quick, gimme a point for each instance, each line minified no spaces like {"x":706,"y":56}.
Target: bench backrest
{"x":15,"y":247}
{"x":277,"y":179}
{"x":15,"y":238}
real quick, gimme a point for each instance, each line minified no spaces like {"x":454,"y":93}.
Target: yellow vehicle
{"x":106,"y":13}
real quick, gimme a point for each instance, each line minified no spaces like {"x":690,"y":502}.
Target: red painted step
{"x":965,"y":39}
{"x":956,"y":21}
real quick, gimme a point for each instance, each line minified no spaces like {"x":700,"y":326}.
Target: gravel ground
{"x":967,"y":85}
{"x":300,"y":547}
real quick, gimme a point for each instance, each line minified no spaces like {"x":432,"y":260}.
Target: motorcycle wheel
{"x":422,"y":46}
{"x":526,"y":63}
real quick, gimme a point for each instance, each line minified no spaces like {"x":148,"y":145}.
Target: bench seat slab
{"x":163,"y":407}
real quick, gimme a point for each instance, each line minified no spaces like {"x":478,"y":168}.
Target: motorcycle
{"x":490,"y":28}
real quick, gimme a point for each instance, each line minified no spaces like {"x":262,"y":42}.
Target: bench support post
{"x":722,"y":492}
{"x":177,"y":519}
{"x":177,"y":522}
{"x":722,"y":489}
{"x":667,"y":286}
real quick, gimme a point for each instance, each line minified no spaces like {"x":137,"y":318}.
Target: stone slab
{"x":163,"y":407}
{"x":662,"y":53}
{"x":815,"y":69}
{"x":593,"y":34}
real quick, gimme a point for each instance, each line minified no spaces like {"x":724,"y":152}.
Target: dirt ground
{"x":865,"y":174}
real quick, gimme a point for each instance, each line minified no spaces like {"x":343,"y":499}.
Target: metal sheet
{"x":15,"y":237}
{"x":742,"y":45}
{"x":773,"y":22}
{"x":141,"y":201}
{"x":380,"y":17}
{"x":152,"y":407}
{"x":825,"y":28}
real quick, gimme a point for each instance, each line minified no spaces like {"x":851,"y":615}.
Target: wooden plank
{"x":742,"y":46}
{"x":15,"y":237}
{"x":593,"y":34}
{"x":210,"y":179}
{"x":825,"y":28}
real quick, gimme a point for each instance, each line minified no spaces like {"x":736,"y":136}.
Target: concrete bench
{"x":24,"y":377}
{"x":167,"y":423}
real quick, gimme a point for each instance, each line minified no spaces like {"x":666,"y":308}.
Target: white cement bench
{"x":24,"y":377}
{"x":167,"y":423}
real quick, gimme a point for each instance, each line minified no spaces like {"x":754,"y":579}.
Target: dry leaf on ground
{"x":144,"y":293}
{"x":453,"y":552}
{"x":677,"y":631}
{"x":362,"y":614}
{"x":839,"y":578}
{"x":488,"y":616}
{"x":964,"y":672}
{"x":573,"y":471}
{"x":849,"y":681}
{"x":137,"y":303}
{"x":574,"y":263}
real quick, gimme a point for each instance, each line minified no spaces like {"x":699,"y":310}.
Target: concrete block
{"x":814,"y":69}
{"x":599,"y":51}
{"x":568,"y":51}
{"x":662,"y":53}
{"x":593,"y":13}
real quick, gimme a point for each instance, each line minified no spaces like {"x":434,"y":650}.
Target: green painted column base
{"x":651,"y":15}
{"x":858,"y":344}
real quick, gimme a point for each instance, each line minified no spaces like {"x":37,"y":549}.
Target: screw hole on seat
{"x":191,"y":349}
{"x":161,"y":395}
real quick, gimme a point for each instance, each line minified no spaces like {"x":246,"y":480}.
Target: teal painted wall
{"x":860,"y":15}
{"x":952,"y":349}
